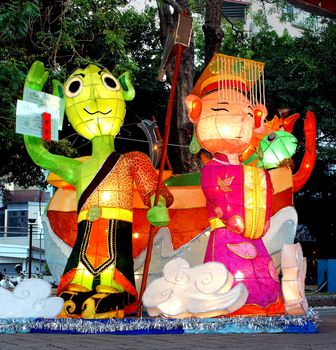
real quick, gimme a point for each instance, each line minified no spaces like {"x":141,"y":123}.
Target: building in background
{"x":243,"y":11}
{"x":236,"y":9}
{"x":20,"y":218}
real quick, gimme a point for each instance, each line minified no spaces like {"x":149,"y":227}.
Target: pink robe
{"x":238,"y":201}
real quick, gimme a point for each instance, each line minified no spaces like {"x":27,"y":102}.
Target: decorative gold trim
{"x":106,"y":289}
{"x":99,"y":296}
{"x":77,"y":288}
{"x":90,"y":308}
{"x":119,"y":313}
{"x":255,"y":201}
{"x":68,"y":309}
{"x":94,"y":213}
{"x":213,"y":246}
{"x":109,"y":213}
{"x":111,"y":236}
{"x":216,"y":223}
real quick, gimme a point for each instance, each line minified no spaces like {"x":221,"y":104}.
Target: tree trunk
{"x":182,"y":129}
{"x":213,"y":32}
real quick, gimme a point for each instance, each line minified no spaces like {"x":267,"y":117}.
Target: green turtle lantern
{"x":274,"y":148}
{"x":98,"y":280}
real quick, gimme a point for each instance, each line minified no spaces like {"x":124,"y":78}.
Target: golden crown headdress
{"x":226,"y":73}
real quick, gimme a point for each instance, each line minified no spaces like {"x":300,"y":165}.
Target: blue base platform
{"x":224,"y":325}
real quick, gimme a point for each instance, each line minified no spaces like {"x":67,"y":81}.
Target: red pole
{"x":169,"y":114}
{"x":158,"y":134}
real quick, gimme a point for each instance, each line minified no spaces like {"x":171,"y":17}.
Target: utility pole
{"x":31,"y":223}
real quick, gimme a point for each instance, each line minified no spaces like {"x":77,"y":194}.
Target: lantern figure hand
{"x":158,"y":215}
{"x":57,"y":88}
{"x":37,"y":76}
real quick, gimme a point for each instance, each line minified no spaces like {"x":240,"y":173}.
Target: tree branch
{"x":177,"y":7}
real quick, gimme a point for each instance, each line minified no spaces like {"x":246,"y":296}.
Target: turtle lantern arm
{"x":60,"y":165}
{"x":308,"y":160}
{"x":127,"y":87}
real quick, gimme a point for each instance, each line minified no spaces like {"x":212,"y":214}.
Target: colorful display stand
{"x":216,"y":258}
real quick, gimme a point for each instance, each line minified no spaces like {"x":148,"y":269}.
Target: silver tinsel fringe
{"x":148,"y":325}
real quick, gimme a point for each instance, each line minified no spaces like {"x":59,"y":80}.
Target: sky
{"x":140,"y":4}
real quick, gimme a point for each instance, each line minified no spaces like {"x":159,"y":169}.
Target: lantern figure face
{"x":225,"y":126}
{"x":94,"y":102}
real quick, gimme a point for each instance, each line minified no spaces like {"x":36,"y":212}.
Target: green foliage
{"x":236,"y":40}
{"x":300,"y":73}
{"x":65,"y":34}
{"x":62,"y":147}
{"x":16,"y":165}
{"x":199,"y":43}
{"x":16,"y":16}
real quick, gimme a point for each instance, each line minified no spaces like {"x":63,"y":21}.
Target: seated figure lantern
{"x":224,"y":105}
{"x":98,"y":280}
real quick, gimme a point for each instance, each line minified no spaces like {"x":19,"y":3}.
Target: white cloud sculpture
{"x":294,"y":268}
{"x":29,"y":299}
{"x":282,"y":230}
{"x":202,"y":291}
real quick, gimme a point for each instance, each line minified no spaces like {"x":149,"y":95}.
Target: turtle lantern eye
{"x":271,"y":137}
{"x":74,"y":87}
{"x":110,"y":82}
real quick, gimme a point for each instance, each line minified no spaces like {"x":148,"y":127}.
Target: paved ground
{"x":325,"y":339}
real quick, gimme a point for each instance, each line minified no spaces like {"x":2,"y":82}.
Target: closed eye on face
{"x":221,"y":108}
{"x":249,"y":113}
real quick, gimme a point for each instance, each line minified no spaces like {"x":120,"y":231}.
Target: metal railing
{"x":8,"y":231}
{"x":31,"y":235}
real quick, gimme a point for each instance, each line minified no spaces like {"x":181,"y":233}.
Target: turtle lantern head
{"x":95,"y":101}
{"x":275,"y":148}
{"x":227,"y":103}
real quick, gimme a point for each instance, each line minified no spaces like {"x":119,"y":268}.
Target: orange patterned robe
{"x":105,"y":215}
